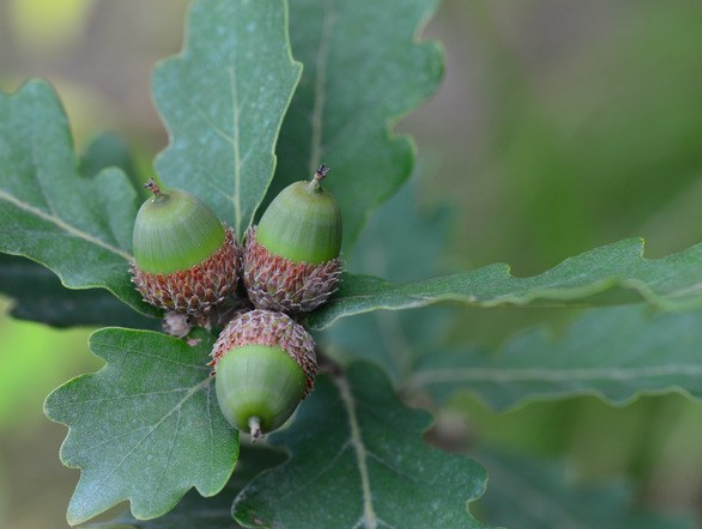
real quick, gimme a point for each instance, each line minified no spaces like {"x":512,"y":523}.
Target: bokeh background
{"x":561,"y":125}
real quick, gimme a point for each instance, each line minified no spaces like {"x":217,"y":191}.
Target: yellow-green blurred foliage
{"x":48,"y":26}
{"x":34,"y":360}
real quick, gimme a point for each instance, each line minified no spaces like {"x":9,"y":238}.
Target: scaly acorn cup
{"x":184,"y":259}
{"x":265,"y":364}
{"x":291,"y":259}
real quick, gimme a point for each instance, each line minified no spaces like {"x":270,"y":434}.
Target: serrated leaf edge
{"x":369,"y":518}
{"x":73,"y":521}
{"x":236,"y":200}
{"x":61,"y":223}
{"x":554,"y":297}
{"x":401,"y":140}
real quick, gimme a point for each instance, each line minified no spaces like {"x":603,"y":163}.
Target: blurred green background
{"x":561,"y":125}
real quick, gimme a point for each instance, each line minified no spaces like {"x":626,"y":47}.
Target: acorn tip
{"x":255,"y":429}
{"x":152,"y":186}
{"x":319,"y":175}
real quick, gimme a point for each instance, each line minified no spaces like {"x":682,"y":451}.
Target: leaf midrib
{"x":236,"y":143}
{"x":482,"y":374}
{"x":62,"y":225}
{"x":178,"y":406}
{"x":349,"y":404}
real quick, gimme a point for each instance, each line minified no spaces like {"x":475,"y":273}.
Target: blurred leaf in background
{"x":562,"y":126}
{"x":48,"y":26}
{"x":33,"y":360}
{"x":588,"y":124}
{"x":537,"y":494}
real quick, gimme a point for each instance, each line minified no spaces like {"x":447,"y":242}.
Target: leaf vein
{"x":61,"y":224}
{"x":169,"y":457}
{"x":151,"y":430}
{"x":69,"y":461}
{"x":554,"y":375}
{"x":236,"y":134}
{"x":319,"y":474}
{"x":164,"y":359}
{"x":119,"y":397}
{"x":360,"y":450}
{"x":215,"y":128}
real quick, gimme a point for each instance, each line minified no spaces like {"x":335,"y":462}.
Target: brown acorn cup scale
{"x":185,"y":260}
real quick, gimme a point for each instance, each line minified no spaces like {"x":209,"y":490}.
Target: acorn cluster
{"x":191,"y":265}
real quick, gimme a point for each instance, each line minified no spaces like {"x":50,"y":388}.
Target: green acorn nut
{"x":291,"y":259}
{"x":265,"y":365}
{"x":185,"y":260}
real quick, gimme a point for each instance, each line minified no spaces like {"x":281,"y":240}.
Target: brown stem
{"x":327,"y":365}
{"x":152,"y":186}
{"x":319,"y":175}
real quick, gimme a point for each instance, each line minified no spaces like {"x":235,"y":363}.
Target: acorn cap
{"x":185,"y":259}
{"x":302,"y":223}
{"x":276,"y":283}
{"x":265,"y":364}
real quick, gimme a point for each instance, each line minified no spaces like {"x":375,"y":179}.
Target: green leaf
{"x":196,"y":512}
{"x":223,"y":100}
{"x":364,"y":69}
{"x":358,"y":461}
{"x":616,"y":273}
{"x":107,"y":150}
{"x":145,"y":428}
{"x":382,"y":248}
{"x":38,"y":295}
{"x":615,"y":353}
{"x":79,"y":228}
{"x":393,"y":339}
{"x":533,"y":494}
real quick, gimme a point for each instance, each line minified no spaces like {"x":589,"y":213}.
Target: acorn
{"x":265,"y":364}
{"x":291,"y":259}
{"x":185,"y":260}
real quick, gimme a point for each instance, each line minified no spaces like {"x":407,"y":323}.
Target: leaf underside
{"x":364,"y":69}
{"x":392,"y":339}
{"x":358,"y":461}
{"x":222,"y":100}
{"x":146,"y":428}
{"x":615,"y":353}
{"x":38,"y":295}
{"x":616,"y":273}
